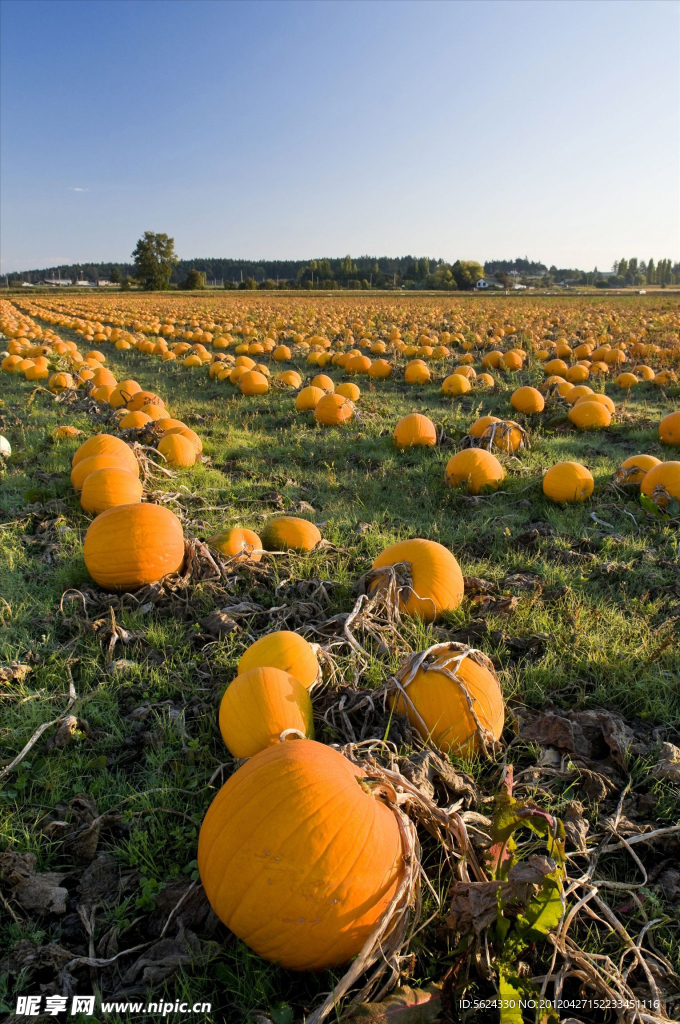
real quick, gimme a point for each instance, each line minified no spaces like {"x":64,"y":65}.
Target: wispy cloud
{"x":76,"y":188}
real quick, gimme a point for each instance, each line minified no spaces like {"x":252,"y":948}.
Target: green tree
{"x":466,"y":273}
{"x":443,"y":277}
{"x":633,"y":273}
{"x":194,"y":280}
{"x":154,"y":257}
{"x":651,"y":273}
{"x":116,"y":276}
{"x":126,"y":283}
{"x":250,"y":284}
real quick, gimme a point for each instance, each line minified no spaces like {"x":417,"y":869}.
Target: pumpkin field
{"x":340,"y":655}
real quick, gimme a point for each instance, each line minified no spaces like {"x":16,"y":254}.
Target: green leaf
{"x":282,"y":1013}
{"x":543,"y":913}
{"x":650,"y":506}
{"x":509,"y":994}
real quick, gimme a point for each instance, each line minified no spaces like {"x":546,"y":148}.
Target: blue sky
{"x":472,"y":130}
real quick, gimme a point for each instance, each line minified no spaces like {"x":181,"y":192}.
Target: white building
{"x":58,"y":282}
{"x":486,"y":282}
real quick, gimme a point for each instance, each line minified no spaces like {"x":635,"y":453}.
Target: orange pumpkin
{"x":238,"y":541}
{"x":436,"y":582}
{"x":476,"y":468}
{"x":134,"y":420}
{"x":258,"y":706}
{"x":349,"y":390}
{"x":286,"y":651}
{"x":308,"y":399}
{"x":100,"y":444}
{"x":568,"y":482}
{"x":131,"y":545}
{"x":187,"y":432}
{"x":142,"y":398}
{"x":252,"y":382}
{"x":633,"y":469}
{"x":455,"y":384}
{"x":662,"y":483}
{"x":333,"y":410}
{"x":106,"y":488}
{"x":123,"y":392}
{"x":414,"y":430}
{"x":114,"y":460}
{"x":177,"y":450}
{"x":288,"y":533}
{"x":451,"y":698}
{"x":669,"y":429}
{"x":527,"y":400}
{"x":297,"y":858}
{"x":587,"y":415}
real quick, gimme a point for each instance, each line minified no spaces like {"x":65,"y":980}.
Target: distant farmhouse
{"x":487,"y":282}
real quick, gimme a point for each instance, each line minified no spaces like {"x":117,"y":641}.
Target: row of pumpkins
{"x":603,"y":339}
{"x":476,"y":467}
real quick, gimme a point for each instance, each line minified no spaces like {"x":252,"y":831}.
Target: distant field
{"x":582,"y":611}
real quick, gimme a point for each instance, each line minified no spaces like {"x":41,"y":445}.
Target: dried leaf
{"x":14,"y":672}
{"x":219,"y":623}
{"x":67,"y":728}
{"x":475,"y":585}
{"x":594,"y":735}
{"x":120,"y":666}
{"x":40,"y":891}
{"x":405,"y":1006}
{"x":668,"y":767}
{"x":486,"y":605}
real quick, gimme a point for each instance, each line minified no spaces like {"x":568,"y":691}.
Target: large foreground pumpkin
{"x":297,"y":858}
{"x":454,"y":700}
{"x":131,"y":545}
{"x":436,"y":580}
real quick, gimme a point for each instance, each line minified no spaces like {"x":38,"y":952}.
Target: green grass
{"x":606,"y":632}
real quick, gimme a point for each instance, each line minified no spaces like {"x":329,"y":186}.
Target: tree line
{"x":155,"y":266}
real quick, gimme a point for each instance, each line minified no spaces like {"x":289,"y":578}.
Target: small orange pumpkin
{"x":288,"y":533}
{"x":414,"y":430}
{"x":333,"y":410}
{"x":284,"y":650}
{"x":238,"y":542}
{"x":258,"y":706}
{"x":436,"y":582}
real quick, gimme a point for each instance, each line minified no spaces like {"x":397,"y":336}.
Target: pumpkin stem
{"x":288,"y":734}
